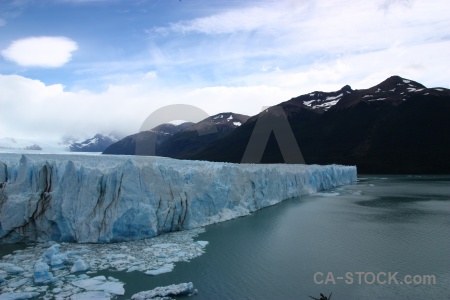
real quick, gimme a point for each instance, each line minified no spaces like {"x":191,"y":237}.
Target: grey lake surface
{"x":382,"y":224}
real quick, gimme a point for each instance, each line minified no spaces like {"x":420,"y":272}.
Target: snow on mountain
{"x":118,"y":198}
{"x":96,"y":144}
{"x":394,"y":89}
{"x":223,"y":122}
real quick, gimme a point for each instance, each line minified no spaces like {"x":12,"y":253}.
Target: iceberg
{"x":42,"y":274}
{"x":100,"y":283}
{"x":79,"y":266}
{"x":18,"y":296}
{"x":98,"y":199}
{"x":164,"y":269}
{"x":182,"y":289}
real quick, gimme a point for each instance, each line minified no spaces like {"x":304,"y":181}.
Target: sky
{"x":81,"y":67}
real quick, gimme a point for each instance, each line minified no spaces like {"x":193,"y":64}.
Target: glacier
{"x":100,"y":199}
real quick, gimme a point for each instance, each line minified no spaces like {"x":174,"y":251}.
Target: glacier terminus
{"x":100,"y":199}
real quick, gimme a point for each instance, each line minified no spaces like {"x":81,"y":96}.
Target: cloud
{"x":52,"y":112}
{"x":387,"y":4}
{"x":228,"y":22}
{"x":49,"y":52}
{"x":237,"y":60}
{"x":2,"y":22}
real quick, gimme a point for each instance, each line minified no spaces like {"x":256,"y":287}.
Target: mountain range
{"x":398,"y":126}
{"x":96,"y":144}
{"x":179,"y":140}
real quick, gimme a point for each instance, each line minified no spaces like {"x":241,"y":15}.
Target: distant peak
{"x":346,"y":88}
{"x":396,"y":80}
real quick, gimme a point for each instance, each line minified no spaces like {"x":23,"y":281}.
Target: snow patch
{"x":333,"y":97}
{"x":326,"y":105}
{"x":308,"y":103}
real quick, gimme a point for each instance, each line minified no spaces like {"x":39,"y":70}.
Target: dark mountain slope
{"x":179,"y":141}
{"x":406,"y":132}
{"x":187,"y":142}
{"x":159,"y":134}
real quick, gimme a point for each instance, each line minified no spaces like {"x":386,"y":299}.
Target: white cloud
{"x":2,"y":22}
{"x":228,"y":22}
{"x":306,"y":29}
{"x":31,"y":109}
{"x":241,"y":60}
{"x":42,"y":51}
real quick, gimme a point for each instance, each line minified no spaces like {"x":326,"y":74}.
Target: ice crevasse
{"x":76,"y":198}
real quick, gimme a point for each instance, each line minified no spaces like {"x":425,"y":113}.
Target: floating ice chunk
{"x":202,"y":243}
{"x":91,"y":295}
{"x":134,"y":268}
{"x":182,"y":289}
{"x":100,"y":283}
{"x":164,"y":269}
{"x":58,"y":260}
{"x":14,"y":270}
{"x":117,"y":256}
{"x":79,"y":266}
{"x":18,"y":283}
{"x":327,"y":194}
{"x":89,"y":281}
{"x":48,"y":254}
{"x":164,"y":246}
{"x":42,"y":274}
{"x":18,"y":296}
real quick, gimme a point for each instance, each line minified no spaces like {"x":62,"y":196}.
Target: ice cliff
{"x":119,"y":198}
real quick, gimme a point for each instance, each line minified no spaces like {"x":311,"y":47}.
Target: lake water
{"x":381,"y":224}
